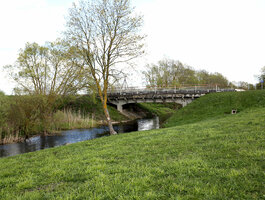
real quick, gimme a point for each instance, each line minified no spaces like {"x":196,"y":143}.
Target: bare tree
{"x":106,"y":34}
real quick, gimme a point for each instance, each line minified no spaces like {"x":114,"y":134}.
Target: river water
{"x":73,"y":136}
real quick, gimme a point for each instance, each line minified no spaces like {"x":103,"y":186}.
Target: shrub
{"x":29,"y":114}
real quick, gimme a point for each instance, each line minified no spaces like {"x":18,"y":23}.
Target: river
{"x":73,"y":136}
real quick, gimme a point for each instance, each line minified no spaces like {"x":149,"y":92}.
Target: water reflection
{"x":73,"y":136}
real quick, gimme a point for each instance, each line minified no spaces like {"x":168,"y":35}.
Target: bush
{"x":3,"y":108}
{"x":29,"y":114}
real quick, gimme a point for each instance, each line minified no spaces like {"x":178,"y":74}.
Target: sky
{"x":226,"y":36}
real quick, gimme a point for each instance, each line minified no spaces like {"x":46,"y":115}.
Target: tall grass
{"x":69,"y":119}
{"x":10,"y":137}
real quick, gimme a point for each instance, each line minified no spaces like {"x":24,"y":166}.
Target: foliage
{"x":171,"y":73}
{"x":205,"y":77}
{"x":86,"y":106}
{"x":29,"y":115}
{"x":3,"y":109}
{"x":243,"y":85}
{"x":52,"y":69}
{"x":211,"y":159}
{"x":42,"y":73}
{"x":105,"y":34}
{"x":262,"y":74}
{"x":261,"y":78}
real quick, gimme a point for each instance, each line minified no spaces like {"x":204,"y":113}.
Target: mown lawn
{"x":219,"y":158}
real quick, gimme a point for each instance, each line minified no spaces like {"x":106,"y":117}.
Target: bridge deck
{"x":183,"y":97}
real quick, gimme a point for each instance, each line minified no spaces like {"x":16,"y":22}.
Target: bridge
{"x":183,"y":96}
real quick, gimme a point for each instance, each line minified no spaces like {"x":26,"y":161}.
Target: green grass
{"x":88,"y":106}
{"x":163,"y":110}
{"x":216,"y":105}
{"x":216,"y":158}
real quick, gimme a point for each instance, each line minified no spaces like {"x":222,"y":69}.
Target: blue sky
{"x":226,"y":36}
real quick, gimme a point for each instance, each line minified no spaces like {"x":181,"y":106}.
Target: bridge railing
{"x":187,"y":88}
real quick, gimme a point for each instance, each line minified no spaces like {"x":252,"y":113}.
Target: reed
{"x":61,"y":120}
{"x":8,"y":136}
{"x":68,"y":119}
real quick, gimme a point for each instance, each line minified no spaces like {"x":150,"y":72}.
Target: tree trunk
{"x":111,"y":130}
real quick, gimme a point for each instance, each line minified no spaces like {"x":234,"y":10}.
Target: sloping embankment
{"x":215,"y":158}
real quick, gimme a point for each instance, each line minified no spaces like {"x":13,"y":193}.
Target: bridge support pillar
{"x":119,"y":107}
{"x":184,"y":103}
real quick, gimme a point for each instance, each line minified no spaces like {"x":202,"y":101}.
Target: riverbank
{"x":71,"y":112}
{"x":72,"y":136}
{"x":211,"y":158}
{"x":23,"y":117}
{"x":162,"y":110}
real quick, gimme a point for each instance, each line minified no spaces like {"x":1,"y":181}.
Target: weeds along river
{"x":73,"y":136}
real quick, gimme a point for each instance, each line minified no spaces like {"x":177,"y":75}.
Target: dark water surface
{"x":73,"y":136}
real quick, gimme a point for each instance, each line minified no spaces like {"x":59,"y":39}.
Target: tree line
{"x":172,"y":73}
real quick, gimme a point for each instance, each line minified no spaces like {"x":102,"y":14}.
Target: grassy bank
{"x":86,"y":105}
{"x":83,"y":112}
{"x":217,"y":105}
{"x":162,"y":110}
{"x":215,"y":158}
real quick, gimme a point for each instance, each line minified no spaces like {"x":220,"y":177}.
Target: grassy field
{"x":218,"y":157}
